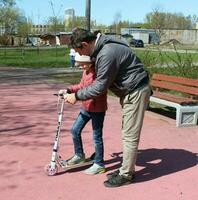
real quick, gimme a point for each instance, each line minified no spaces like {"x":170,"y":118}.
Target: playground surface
{"x":167,"y":157}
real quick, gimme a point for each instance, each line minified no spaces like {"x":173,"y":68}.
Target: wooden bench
{"x":184,"y":99}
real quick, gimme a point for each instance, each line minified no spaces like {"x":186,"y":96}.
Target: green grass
{"x":35,"y":57}
{"x":173,"y":63}
{"x":162,"y":58}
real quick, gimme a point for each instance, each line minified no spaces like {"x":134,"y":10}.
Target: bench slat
{"x":176,"y":87}
{"x":181,"y":80}
{"x":175,"y":99}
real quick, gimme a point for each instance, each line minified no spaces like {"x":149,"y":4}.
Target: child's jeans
{"x":97,"y":119}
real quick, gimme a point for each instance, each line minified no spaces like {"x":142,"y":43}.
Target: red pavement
{"x":166,"y":165}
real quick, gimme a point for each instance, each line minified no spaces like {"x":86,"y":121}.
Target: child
{"x":92,"y":109}
{"x":72,"y":57}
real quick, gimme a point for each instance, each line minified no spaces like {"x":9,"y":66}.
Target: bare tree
{"x":157,"y":21}
{"x":56,"y":24}
{"x":117,"y":20}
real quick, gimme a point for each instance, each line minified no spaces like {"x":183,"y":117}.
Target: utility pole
{"x":88,"y":14}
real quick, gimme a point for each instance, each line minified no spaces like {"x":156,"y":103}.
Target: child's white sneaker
{"x":75,"y":160}
{"x":95,"y":169}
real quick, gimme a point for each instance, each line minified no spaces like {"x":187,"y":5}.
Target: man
{"x":121,"y":71}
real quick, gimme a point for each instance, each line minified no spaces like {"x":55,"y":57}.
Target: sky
{"x":105,"y":11}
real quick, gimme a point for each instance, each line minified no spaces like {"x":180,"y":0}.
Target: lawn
{"x":174,"y":63}
{"x":35,"y":57}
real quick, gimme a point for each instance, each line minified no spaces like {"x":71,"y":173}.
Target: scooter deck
{"x":87,"y":162}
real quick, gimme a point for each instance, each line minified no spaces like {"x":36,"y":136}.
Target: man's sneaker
{"x":76,"y":159}
{"x":119,"y":180}
{"x":95,"y":169}
{"x":115,"y":173}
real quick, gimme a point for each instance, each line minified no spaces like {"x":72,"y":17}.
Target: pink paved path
{"x":166,"y":165}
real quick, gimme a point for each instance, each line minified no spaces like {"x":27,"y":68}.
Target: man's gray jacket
{"x":117,"y":68}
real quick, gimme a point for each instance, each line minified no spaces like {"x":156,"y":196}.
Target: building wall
{"x":197,"y":25}
{"x":140,"y":33}
{"x":183,"y":36}
{"x":69,"y":15}
{"x":64,"y":39}
{"x":39,"y":28}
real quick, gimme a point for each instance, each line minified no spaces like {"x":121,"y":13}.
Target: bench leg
{"x":186,"y":116}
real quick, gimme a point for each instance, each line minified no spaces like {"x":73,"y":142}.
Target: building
{"x":60,"y":38}
{"x":39,"y":29}
{"x":148,"y":36}
{"x":196,"y":26}
{"x":182,"y":36}
{"x":69,"y":15}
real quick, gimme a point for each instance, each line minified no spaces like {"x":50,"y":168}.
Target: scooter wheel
{"x":51,"y":171}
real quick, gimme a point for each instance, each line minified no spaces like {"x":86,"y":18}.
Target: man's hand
{"x":70,"y":98}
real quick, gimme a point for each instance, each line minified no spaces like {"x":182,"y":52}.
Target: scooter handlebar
{"x":57,"y":94}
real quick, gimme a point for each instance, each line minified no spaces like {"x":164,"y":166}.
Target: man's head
{"x":82,"y":41}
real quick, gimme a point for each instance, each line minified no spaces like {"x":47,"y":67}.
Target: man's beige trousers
{"x":133,"y":109}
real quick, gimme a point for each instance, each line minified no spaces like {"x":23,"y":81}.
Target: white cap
{"x":82,"y":58}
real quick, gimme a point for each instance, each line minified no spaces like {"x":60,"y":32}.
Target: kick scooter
{"x":52,"y":168}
